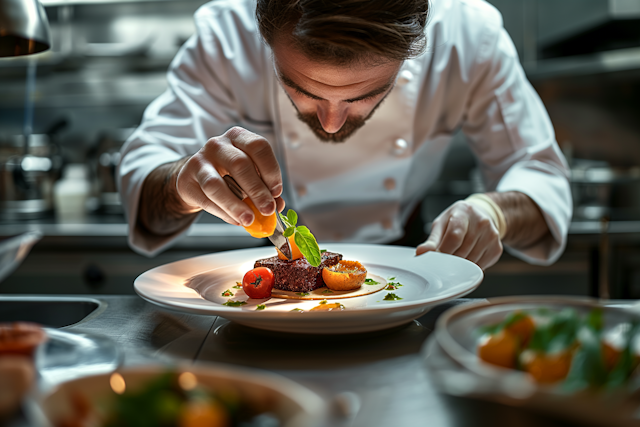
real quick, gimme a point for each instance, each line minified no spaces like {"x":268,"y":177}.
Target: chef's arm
{"x":162,"y":211}
{"x":525,"y":224}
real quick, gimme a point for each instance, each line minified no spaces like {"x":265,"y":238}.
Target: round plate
{"x":427,"y":280}
{"x":451,"y":356}
{"x":290,"y":403}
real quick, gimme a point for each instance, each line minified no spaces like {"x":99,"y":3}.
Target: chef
{"x":343,"y":111}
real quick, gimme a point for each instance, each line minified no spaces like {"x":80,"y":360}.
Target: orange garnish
{"x":549,"y":368}
{"x":344,"y":276}
{"x":499,"y":349}
{"x":262,"y":226}
{"x":202,"y":413}
{"x":295,"y":251}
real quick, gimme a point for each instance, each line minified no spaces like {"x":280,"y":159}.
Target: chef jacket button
{"x":301,"y":190}
{"x":390,"y":184}
{"x":404,"y":77}
{"x":400,"y":146}
{"x":387,"y":223}
{"x":294,"y":140}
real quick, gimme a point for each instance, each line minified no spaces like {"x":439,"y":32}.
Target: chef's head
{"x":337,"y":60}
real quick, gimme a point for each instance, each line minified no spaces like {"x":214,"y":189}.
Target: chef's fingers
{"x":455,"y":231}
{"x":488,"y":248}
{"x":280,"y":204}
{"x":229,"y":159}
{"x":432,"y":243}
{"x":217,"y":198}
{"x":261,"y":152}
{"x":491,"y":255}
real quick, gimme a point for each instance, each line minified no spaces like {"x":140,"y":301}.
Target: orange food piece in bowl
{"x":295,"y":251}
{"x":549,"y":368}
{"x":262,"y":226}
{"x":523,"y":328}
{"x":610,"y":356}
{"x":203,"y":413}
{"x":499,"y":349}
{"x":344,"y":276}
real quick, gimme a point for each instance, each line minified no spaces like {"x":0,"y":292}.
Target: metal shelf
{"x":603,"y":62}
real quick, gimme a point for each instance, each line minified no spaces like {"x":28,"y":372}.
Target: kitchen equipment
{"x":427,"y":280}
{"x":24,"y":28}
{"x":104,"y":159}
{"x":450,"y":355}
{"x":277,"y":238}
{"x":26,"y":181}
{"x":14,"y":250}
{"x":600,"y":190}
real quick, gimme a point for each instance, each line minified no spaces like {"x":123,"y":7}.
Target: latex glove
{"x":469,"y":229}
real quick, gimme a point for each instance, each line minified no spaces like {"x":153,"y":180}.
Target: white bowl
{"x":292,"y":404}
{"x":451,"y":357}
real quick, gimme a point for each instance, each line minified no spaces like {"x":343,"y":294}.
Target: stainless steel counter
{"x":384,"y":370}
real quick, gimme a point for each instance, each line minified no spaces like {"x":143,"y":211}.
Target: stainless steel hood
{"x":578,"y":27}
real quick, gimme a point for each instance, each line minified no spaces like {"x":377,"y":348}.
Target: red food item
{"x":20,"y":338}
{"x":257,"y":283}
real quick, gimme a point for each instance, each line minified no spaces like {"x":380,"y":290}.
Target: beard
{"x":350,"y":126}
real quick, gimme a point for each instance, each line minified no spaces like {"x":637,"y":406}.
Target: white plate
{"x":427,"y":280}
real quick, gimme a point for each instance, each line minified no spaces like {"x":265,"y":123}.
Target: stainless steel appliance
{"x":26,"y":179}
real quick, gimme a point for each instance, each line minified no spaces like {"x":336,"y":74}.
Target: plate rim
{"x":395,"y":306}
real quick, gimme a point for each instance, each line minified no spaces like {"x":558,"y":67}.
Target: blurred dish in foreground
{"x":215,"y":396}
{"x":566,"y":326}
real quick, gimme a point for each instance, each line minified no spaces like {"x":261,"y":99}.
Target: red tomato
{"x":257,"y":283}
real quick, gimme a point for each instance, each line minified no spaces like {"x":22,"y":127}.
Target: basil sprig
{"x":304,"y":239}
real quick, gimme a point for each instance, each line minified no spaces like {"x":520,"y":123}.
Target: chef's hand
{"x":249,"y":159}
{"x":465,"y":230}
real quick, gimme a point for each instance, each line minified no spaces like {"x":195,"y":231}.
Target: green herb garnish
{"x":327,"y":291}
{"x":391,"y":297}
{"x":238,"y":285}
{"x":297,"y":309}
{"x":227,"y":293}
{"x":391,"y":278}
{"x":261,"y":307}
{"x":232,"y":303}
{"x":324,"y":301}
{"x":302,"y":294}
{"x":305,"y":241}
{"x":369,"y":281}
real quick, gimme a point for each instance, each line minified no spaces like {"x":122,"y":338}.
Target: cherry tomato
{"x":20,"y":338}
{"x":257,"y":283}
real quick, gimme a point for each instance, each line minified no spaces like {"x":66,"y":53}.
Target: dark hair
{"x":346,"y":31}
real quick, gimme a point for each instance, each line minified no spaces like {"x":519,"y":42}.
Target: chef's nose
{"x":332,"y":118}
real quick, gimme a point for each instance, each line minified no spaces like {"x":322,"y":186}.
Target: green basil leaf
{"x":289,"y":231}
{"x":285,"y":220}
{"x":308,"y":245}
{"x":292,"y":216}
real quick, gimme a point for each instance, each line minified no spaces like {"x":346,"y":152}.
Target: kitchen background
{"x":81,"y":100}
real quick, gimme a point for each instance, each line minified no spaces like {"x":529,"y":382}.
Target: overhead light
{"x":24,"y":28}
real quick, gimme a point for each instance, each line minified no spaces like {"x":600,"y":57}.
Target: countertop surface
{"x":384,"y":370}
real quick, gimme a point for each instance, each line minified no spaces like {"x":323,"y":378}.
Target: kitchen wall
{"x":109,"y":61}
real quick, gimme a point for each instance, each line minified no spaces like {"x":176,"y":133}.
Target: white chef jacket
{"x":362,"y":190}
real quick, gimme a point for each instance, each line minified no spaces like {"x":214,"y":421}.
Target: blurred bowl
{"x":451,"y":357}
{"x":290,"y":403}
